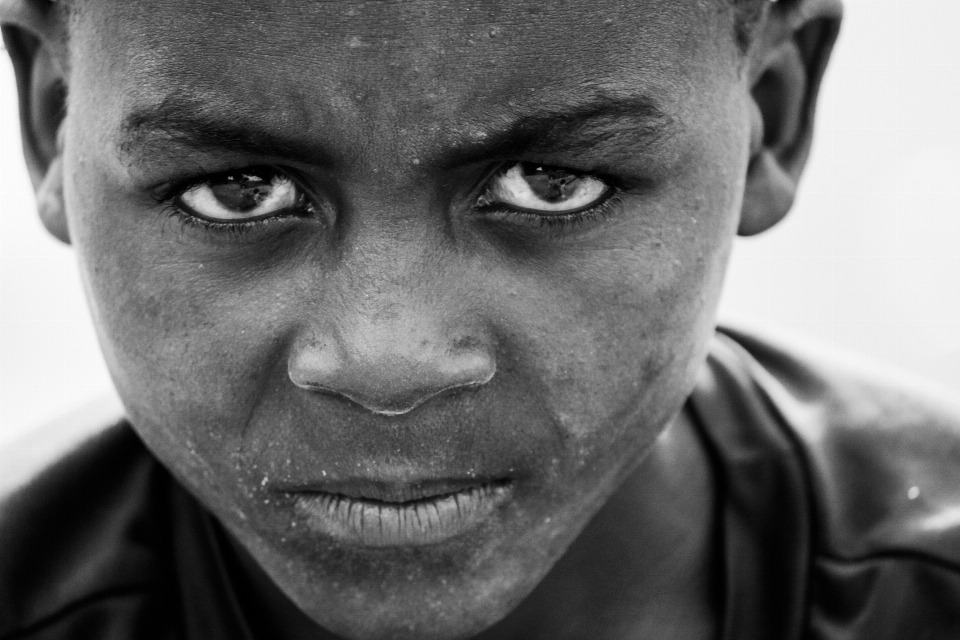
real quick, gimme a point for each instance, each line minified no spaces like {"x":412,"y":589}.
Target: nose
{"x":392,"y":363}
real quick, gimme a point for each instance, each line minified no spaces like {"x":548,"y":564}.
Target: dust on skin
{"x":393,"y":116}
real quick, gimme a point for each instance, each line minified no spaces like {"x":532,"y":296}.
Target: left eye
{"x":541,"y":189}
{"x":242,"y":195}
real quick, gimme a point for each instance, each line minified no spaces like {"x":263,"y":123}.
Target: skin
{"x":556,"y":357}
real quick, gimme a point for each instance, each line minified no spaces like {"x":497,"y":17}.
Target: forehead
{"x":383,"y":66}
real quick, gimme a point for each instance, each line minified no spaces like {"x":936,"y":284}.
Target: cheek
{"x":614,"y":331}
{"x":617,"y":323}
{"x":191,"y":344}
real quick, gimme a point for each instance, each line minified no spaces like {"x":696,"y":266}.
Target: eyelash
{"x":605,"y":209}
{"x":237,"y":229}
{"x":167,"y":199}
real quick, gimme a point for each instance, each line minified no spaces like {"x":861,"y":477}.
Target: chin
{"x":406,"y":627}
{"x":437,"y":612}
{"x":445,"y":591}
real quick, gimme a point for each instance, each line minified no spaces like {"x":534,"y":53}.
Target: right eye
{"x":242,"y":196}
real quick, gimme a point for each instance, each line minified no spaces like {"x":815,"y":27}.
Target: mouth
{"x":376,"y":515}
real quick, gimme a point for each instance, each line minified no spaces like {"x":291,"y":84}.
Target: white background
{"x":869,"y":260}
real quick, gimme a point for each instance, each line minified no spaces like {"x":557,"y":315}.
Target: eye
{"x":241,"y":196}
{"x":541,"y":189}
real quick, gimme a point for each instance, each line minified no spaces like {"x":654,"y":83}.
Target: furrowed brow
{"x":153,"y":128}
{"x":614,"y":124}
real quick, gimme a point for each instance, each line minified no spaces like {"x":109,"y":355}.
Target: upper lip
{"x":393,"y":491}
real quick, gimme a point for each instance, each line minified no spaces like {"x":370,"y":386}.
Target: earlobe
{"x":787,"y":67}
{"x":50,"y":203}
{"x":769,"y":194}
{"x":770,"y":187}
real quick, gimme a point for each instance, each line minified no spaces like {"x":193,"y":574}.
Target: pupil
{"x":241,"y":192}
{"x":550,"y":185}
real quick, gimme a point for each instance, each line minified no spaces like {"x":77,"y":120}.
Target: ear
{"x":785,"y":67}
{"x":35,"y":36}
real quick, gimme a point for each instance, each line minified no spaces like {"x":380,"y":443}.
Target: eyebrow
{"x":195,"y":124}
{"x":622,"y":122}
{"x":613,"y":121}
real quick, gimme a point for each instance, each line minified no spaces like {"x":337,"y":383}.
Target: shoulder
{"x":881,"y":454}
{"x":78,"y":529}
{"x":882,"y":449}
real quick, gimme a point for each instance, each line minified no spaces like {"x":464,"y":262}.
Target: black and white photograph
{"x":479,"y":320}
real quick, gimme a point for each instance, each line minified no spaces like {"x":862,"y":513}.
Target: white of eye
{"x":513,"y":188}
{"x":242,"y":196}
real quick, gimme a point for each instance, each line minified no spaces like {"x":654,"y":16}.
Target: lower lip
{"x":374,"y":523}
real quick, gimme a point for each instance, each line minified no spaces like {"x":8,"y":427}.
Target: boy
{"x":411,"y":308}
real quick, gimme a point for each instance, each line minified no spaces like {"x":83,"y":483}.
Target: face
{"x":402,"y":291}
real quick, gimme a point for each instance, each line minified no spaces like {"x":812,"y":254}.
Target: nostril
{"x":399,"y":405}
{"x":390,"y":386}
